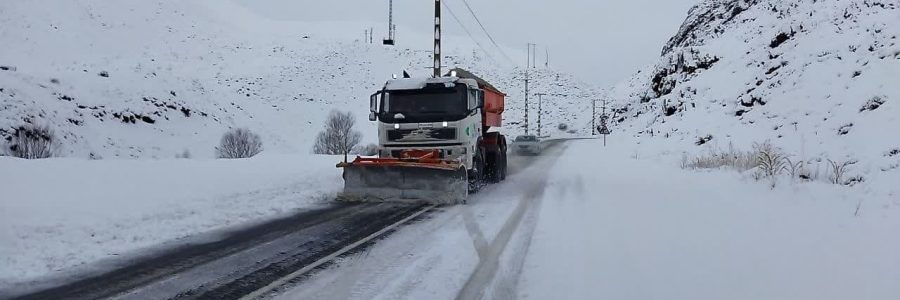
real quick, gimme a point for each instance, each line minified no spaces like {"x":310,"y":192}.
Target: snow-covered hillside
{"x":155,"y":78}
{"x":818,"y":78}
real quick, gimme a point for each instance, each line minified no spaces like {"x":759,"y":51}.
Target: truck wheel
{"x":495,"y":168}
{"x":476,"y":173}
{"x":503,"y":165}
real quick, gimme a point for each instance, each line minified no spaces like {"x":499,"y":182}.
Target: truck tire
{"x":476,"y":173}
{"x":494,"y":168}
{"x":503,"y":166}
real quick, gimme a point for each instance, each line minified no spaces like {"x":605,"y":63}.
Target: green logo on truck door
{"x":468,"y":132}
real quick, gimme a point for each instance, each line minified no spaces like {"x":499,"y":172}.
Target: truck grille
{"x":421,"y":134}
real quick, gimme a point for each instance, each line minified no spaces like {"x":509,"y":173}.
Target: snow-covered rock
{"x":815,"y":77}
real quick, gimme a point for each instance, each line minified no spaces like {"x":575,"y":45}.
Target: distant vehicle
{"x":527,"y":145}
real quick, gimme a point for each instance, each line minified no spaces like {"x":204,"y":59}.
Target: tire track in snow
{"x":485,"y":272}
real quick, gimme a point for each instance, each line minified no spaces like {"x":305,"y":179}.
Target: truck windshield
{"x":425,"y":105}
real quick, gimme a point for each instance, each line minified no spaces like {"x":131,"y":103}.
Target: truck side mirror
{"x":373,"y":102}
{"x":373,"y":106}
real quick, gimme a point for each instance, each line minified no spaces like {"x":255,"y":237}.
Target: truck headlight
{"x":445,"y":124}
{"x":396,"y":126}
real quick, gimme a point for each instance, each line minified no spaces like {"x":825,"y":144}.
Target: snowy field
{"x":612,"y":227}
{"x":59,"y":215}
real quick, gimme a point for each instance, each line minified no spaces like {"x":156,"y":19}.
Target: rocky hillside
{"x":145,"y":79}
{"x":817,"y":78}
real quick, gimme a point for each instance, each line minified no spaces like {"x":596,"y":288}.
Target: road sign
{"x":602,"y":129}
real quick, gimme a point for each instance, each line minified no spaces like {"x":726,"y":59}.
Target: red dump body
{"x":493,"y":107}
{"x":494,"y":100}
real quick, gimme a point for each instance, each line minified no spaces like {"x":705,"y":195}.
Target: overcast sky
{"x":600,"y":41}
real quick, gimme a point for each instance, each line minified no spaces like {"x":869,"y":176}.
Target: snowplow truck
{"x":437,"y":141}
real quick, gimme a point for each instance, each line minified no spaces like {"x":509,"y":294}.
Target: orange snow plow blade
{"x":418,"y":176}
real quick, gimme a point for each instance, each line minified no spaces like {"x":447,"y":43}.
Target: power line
{"x":486,"y":31}
{"x":467,"y":32}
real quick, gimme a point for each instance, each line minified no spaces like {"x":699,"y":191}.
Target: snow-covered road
{"x":599,"y":224}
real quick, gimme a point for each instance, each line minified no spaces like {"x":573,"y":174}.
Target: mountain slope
{"x":156,"y":78}
{"x":816,"y":78}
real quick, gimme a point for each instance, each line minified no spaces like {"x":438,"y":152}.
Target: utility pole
{"x":527,"y":66}
{"x":547,"y":61}
{"x":593,"y":116}
{"x":390,"y":39}
{"x":526,"y":101}
{"x":540,"y":112}
{"x":532,"y":52}
{"x":437,"y":38}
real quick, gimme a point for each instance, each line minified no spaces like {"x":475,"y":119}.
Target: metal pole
{"x":547,"y":61}
{"x":390,"y":19}
{"x":593,"y":116}
{"x":526,"y":101}
{"x":540,"y":112}
{"x":437,"y":38}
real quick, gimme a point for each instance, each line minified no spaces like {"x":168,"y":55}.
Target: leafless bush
{"x":239,"y":143}
{"x":33,"y":142}
{"x":796,"y":169}
{"x":338,"y":137}
{"x":770,"y":159}
{"x":838,"y":170}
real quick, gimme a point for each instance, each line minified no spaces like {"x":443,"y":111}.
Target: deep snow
{"x":58,"y":216}
{"x":614,"y":227}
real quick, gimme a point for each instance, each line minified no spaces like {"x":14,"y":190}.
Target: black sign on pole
{"x":603,"y":129}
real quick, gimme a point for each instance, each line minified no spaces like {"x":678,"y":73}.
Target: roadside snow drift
{"x":611,"y":227}
{"x":57,"y":214}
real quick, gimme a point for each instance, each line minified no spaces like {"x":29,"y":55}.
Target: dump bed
{"x":494,"y":100}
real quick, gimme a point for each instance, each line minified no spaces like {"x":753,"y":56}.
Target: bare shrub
{"x":338,"y":137}
{"x":33,"y":142}
{"x":770,"y":159}
{"x":239,"y":143}
{"x":838,"y":170}
{"x":562,"y":126}
{"x":796,"y":169}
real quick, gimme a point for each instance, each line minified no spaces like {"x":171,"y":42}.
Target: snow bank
{"x":617,"y":228}
{"x":57,"y":214}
